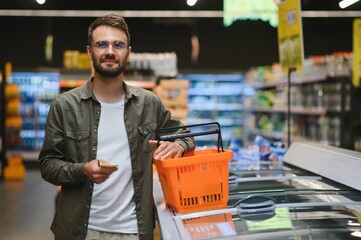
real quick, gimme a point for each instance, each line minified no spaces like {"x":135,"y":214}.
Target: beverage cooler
{"x":28,"y":97}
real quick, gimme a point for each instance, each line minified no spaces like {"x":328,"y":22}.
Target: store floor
{"x":27,"y":208}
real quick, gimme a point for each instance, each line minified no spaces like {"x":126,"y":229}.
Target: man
{"x":106,"y":122}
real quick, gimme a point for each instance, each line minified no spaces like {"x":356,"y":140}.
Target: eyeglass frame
{"x":107,"y":44}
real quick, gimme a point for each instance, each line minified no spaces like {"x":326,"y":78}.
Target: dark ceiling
{"x":239,"y":46}
{"x":322,"y":5}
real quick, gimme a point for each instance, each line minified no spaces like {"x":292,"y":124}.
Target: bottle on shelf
{"x":324,"y":129}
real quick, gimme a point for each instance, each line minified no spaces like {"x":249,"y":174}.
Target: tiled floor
{"x":26,"y":208}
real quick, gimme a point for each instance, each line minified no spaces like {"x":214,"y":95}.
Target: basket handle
{"x":172,"y":137}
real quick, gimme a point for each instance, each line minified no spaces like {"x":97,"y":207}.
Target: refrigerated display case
{"x":315,"y":195}
{"x":26,"y":125}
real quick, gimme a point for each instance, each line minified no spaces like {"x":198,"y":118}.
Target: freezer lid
{"x":320,"y":212}
{"x":340,"y":165}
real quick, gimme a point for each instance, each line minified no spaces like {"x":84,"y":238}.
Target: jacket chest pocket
{"x":77,"y":143}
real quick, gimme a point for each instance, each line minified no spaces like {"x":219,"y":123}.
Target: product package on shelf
{"x":337,"y":64}
{"x":147,"y":66}
{"x":74,"y":59}
{"x":174,"y":95}
{"x":261,"y":154}
{"x":13,"y":120}
{"x":15,"y":169}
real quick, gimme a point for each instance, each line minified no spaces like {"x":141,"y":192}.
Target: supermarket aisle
{"x":26,"y":208}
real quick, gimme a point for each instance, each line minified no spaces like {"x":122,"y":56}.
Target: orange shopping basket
{"x":199,"y":180}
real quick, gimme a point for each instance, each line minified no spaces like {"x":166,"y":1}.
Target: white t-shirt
{"x":113,"y":207}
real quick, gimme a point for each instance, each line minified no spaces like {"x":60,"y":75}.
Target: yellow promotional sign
{"x":356,"y":52}
{"x":290,"y":39}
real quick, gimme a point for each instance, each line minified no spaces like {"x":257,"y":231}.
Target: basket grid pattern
{"x":201,"y":199}
{"x":198,"y":181}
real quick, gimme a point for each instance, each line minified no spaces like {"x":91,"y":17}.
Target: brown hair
{"x":111,"y":20}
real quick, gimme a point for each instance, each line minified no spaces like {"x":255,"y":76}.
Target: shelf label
{"x":290,"y":39}
{"x":356,"y":52}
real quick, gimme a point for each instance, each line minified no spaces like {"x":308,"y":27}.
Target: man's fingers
{"x":97,"y":174}
{"x":153,"y":142}
{"x":168,"y":149}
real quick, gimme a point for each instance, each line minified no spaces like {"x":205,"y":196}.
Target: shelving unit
{"x":69,"y":84}
{"x":3,"y":160}
{"x":37,"y":90}
{"x":74,"y":78}
{"x":25,"y":132}
{"x":320,"y":110}
{"x":216,"y":97}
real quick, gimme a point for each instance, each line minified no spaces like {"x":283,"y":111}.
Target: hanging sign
{"x":356,"y":52}
{"x":265,"y":10}
{"x":290,"y":39}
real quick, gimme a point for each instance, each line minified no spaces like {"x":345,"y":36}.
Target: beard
{"x":108,"y":72}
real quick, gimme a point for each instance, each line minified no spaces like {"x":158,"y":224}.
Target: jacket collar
{"x":88,"y":90}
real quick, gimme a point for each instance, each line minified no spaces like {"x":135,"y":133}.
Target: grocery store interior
{"x":292,"y":123}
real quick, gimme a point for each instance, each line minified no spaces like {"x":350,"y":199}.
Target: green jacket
{"x":71,"y":141}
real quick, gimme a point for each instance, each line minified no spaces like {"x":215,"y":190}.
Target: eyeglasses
{"x":103,"y":46}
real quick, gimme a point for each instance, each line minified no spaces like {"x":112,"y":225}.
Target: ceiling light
{"x":346,"y":3}
{"x":40,"y":1}
{"x":191,"y":3}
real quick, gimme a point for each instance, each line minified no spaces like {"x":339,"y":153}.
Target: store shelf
{"x":37,"y":90}
{"x":149,"y":84}
{"x":216,"y":97}
{"x":28,"y":99}
{"x":27,"y":156}
{"x":71,"y":83}
{"x":279,"y":135}
{"x":217,"y":106}
{"x":212,"y":91}
{"x":76,"y":83}
{"x":3,"y":160}
{"x":298,"y":80}
{"x":295,"y":110}
{"x":320,"y":108}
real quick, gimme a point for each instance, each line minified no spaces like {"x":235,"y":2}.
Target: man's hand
{"x":96,"y":173}
{"x":166,"y":149}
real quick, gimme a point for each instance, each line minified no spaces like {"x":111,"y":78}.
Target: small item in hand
{"x":106,"y":165}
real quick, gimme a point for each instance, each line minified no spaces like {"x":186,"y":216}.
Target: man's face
{"x":109,"y":51}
